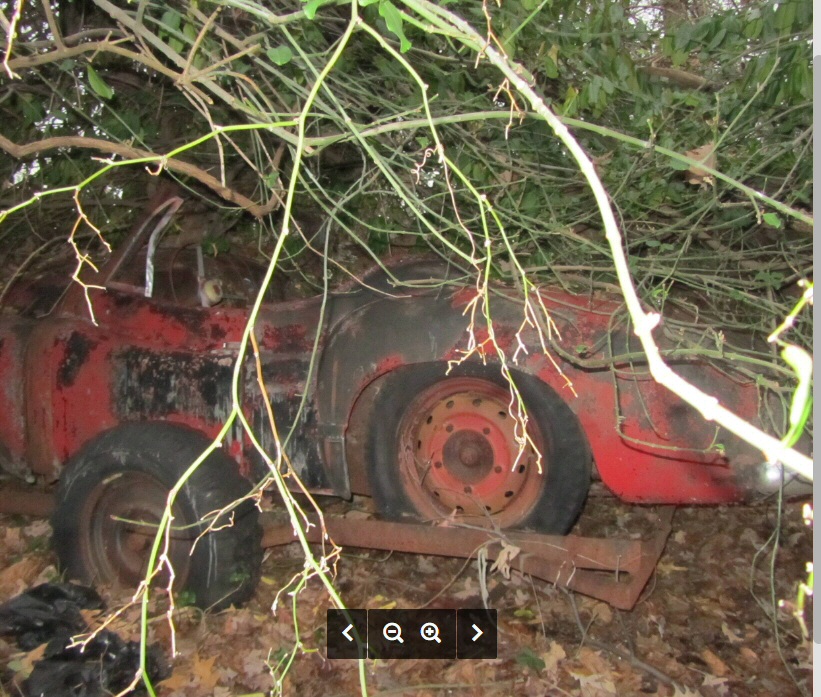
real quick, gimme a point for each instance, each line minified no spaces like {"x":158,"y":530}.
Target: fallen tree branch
{"x":643,"y":322}
{"x":680,"y":77}
{"x":185,"y":168}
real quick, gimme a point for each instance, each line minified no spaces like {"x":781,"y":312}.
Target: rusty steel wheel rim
{"x":458,"y":453}
{"x":117,"y":528}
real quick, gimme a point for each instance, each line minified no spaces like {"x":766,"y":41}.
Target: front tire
{"x":112,"y":494}
{"x":443,"y":445}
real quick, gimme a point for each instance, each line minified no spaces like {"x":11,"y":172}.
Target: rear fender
{"x":410,"y":330}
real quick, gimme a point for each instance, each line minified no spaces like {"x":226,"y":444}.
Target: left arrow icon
{"x":346,"y":634}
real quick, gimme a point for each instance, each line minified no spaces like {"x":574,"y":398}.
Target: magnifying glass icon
{"x":430,"y":632}
{"x":393,"y":632}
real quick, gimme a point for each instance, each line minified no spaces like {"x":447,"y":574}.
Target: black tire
{"x":439,"y":443}
{"x":127,"y":473}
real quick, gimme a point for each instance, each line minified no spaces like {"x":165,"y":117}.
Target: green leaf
{"x":753,"y":28}
{"x":313,"y":5}
{"x":171,"y":19}
{"x":772,"y":220}
{"x":393,"y":19}
{"x":530,"y":660}
{"x":281,"y":55}
{"x":785,"y":15}
{"x":190,"y":32}
{"x":683,"y":35}
{"x":550,"y":68}
{"x":272,"y":181}
{"x":98,"y":84}
{"x":717,"y":39}
{"x":570,"y":101}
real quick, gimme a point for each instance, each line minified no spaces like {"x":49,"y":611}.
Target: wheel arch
{"x":415,"y":330}
{"x":361,"y":408}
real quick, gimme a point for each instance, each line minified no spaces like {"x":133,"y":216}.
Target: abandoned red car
{"x":363,"y":399}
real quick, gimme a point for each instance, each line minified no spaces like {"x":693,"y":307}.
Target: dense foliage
{"x":727,"y":83}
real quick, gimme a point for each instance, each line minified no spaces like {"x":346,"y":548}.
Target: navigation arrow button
{"x":350,"y":627}
{"x":476,"y":633}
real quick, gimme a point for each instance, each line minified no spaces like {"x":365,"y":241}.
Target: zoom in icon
{"x":430,"y":632}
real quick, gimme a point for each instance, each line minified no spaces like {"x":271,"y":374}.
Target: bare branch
{"x":19,"y":151}
{"x":680,"y":77}
{"x":52,"y":24}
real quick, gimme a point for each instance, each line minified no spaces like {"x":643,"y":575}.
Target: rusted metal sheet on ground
{"x":613,"y":570}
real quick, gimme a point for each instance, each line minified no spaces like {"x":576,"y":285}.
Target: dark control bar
{"x":466,"y":634}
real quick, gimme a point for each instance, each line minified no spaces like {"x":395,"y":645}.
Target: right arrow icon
{"x":479,"y":632}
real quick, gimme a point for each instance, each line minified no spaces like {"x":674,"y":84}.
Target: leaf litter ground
{"x":698,"y":629}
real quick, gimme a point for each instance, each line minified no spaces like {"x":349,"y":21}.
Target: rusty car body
{"x":358,"y":381}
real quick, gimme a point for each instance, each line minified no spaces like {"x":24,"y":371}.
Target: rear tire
{"x":442,"y":444}
{"x":122,"y":478}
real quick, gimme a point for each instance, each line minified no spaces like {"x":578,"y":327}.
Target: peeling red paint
{"x":65,"y":380}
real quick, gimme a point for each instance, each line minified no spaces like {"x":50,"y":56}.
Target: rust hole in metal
{"x":449,"y":405}
{"x":477,"y":402}
{"x":437,"y":464}
{"x":521,"y":469}
{"x":486,"y":431}
{"x":449,"y":428}
{"x":508,"y":494}
{"x":468,"y":490}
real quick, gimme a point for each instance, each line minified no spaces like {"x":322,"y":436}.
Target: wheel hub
{"x":462,"y":453}
{"x":468,"y":456}
{"x":119,"y":524}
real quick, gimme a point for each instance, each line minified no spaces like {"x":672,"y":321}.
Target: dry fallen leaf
{"x":552,"y":657}
{"x":39,"y":528}
{"x":205,"y":673}
{"x":668,"y":567}
{"x":593,"y":661}
{"x":684,"y":691}
{"x":718,"y":684}
{"x":748,"y":655}
{"x":17,"y":577}
{"x":177,"y":680}
{"x":508,"y":554}
{"x":706,"y":154}
{"x":730,"y":634}
{"x":715,"y":664}
{"x":603,"y":612}
{"x":597,"y":685}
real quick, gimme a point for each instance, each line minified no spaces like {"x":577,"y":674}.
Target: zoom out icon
{"x":393,"y":632}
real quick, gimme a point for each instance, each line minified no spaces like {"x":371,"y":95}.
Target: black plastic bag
{"x":47,"y":611}
{"x":103,"y":666}
{"x":106,"y":665}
